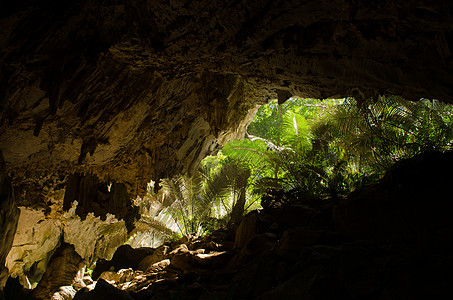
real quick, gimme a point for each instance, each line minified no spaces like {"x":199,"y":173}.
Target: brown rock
{"x":79,"y":283}
{"x":9,"y":216}
{"x":159,"y":254}
{"x":182,"y":248}
{"x":126,"y":275}
{"x":246,"y":230}
{"x":92,"y":195}
{"x":257,"y":245}
{"x":87,"y":280}
{"x":64,"y":293}
{"x":111,"y":277}
{"x":182,"y":262}
{"x":102,"y":291}
{"x":125,"y":257}
{"x":212,"y":259}
{"x":159,"y":266}
{"x":62,"y":269}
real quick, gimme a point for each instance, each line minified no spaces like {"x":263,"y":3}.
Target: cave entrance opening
{"x":313,"y":149}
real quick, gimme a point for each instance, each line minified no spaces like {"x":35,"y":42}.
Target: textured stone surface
{"x":100,"y":198}
{"x":64,"y":293}
{"x":36,"y":239}
{"x":102,"y":291}
{"x":62,"y":269}
{"x":38,"y":235}
{"x":9,"y":216}
{"x":124,"y":257}
{"x":158,"y":255}
{"x":145,"y":89}
{"x":94,"y":238}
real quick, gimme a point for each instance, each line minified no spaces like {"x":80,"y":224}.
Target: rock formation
{"x":38,"y":236}
{"x":9,"y":215}
{"x":63,"y":267}
{"x":35,"y":241}
{"x":99,"y":198}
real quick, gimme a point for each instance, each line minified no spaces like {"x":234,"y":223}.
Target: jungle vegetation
{"x":322,"y":149}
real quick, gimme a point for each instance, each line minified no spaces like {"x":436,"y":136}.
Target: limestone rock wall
{"x":39,"y":235}
{"x":63,"y":267}
{"x":100,"y":198}
{"x":140,"y":90}
{"x":94,"y":238}
{"x":36,"y":239}
{"x":9,"y":215}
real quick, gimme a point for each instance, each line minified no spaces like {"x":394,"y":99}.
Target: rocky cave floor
{"x":391,"y":240}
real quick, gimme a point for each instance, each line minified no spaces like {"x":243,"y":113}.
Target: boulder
{"x":212,"y":260}
{"x":246,"y":230}
{"x":159,"y":266}
{"x":181,"y":248}
{"x":102,"y":291}
{"x":183,"y":262}
{"x":110,"y":276}
{"x":64,"y":293}
{"x":125,"y":257}
{"x":126,"y":275}
{"x":158,"y":255}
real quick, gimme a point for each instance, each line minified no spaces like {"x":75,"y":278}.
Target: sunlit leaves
{"x":321,"y":148}
{"x":377,"y":134}
{"x":295,"y":132}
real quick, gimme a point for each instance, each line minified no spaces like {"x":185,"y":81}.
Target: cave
{"x":99,"y":98}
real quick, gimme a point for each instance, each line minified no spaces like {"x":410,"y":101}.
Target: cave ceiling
{"x":139,"y":90}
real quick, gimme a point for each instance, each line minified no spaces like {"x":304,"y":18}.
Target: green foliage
{"x":374,"y":135}
{"x":282,"y":160}
{"x":227,"y":184}
{"x":295,"y":132}
{"x":215,"y":196}
{"x":265,"y":123}
{"x":186,"y":204}
{"x":250,"y":152}
{"x":322,"y":148}
{"x":335,"y":146}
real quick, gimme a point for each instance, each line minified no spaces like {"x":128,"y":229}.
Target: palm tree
{"x":229,"y":186}
{"x":185,"y":202}
{"x":374,"y":135}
